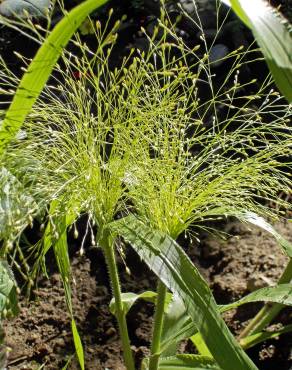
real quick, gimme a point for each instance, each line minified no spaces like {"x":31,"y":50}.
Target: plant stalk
{"x":269,"y":310}
{"x":108,"y":250}
{"x":257,"y":338}
{"x":158,"y":325}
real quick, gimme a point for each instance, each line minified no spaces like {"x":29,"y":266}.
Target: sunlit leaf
{"x":177,"y":325}
{"x":273,"y":34}
{"x":187,"y":362}
{"x":277,"y":294}
{"x":129,"y":299}
{"x":78,"y":344}
{"x":259,"y":221}
{"x":200,"y":345}
{"x":173,"y":267}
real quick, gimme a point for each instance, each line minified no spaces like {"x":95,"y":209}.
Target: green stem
{"x":269,"y":311}
{"x":158,"y":325}
{"x":260,"y":337}
{"x":107,"y":247}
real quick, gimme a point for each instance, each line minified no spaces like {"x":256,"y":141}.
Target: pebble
{"x":217,"y":54}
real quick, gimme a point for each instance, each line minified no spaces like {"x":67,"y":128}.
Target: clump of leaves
{"x":142,"y":139}
{"x":185,"y":172}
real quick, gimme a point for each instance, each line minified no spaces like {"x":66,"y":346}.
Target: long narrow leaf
{"x":165,"y":257}
{"x":278,"y":294}
{"x":40,"y":69}
{"x":77,"y":344}
{"x":130,"y":298}
{"x":177,"y":325}
{"x":259,"y":221}
{"x":262,"y":336}
{"x":57,"y":235}
{"x":200,"y":345}
{"x":274,"y":35}
{"x":187,"y":362}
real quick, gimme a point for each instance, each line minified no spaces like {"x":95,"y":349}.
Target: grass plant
{"x":144,"y":140}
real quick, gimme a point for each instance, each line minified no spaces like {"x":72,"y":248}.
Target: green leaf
{"x":173,"y":267}
{"x":200,"y":345}
{"x":67,"y":363}
{"x":129,"y":299}
{"x":177,"y":325}
{"x":16,"y":205}
{"x":256,"y":220}
{"x":273,"y":34}
{"x":187,"y":362}
{"x":277,"y":294}
{"x":262,"y":336}
{"x":56,"y":233}
{"x":40,"y":69}
{"x":78,"y":344}
{"x":8,"y":290}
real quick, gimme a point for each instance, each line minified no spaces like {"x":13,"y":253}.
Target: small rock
{"x":217,"y":54}
{"x":110,"y":332}
{"x":59,"y":342}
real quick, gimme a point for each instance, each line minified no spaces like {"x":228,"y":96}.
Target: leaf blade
{"x":176,"y":271}
{"x":259,"y":221}
{"x":40,"y":69}
{"x":281,"y":294}
{"x":273,"y":34}
{"x":187,"y":362}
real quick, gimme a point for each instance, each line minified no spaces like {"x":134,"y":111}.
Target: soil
{"x":248,"y":259}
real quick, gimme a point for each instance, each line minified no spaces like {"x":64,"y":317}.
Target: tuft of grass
{"x":157,"y":134}
{"x":156,"y":137}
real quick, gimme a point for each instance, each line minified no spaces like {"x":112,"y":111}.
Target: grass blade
{"x":277,"y":294}
{"x":164,"y":256}
{"x":130,"y":298}
{"x":78,"y":344}
{"x":58,"y":238}
{"x":177,"y":325}
{"x":274,"y":35}
{"x":187,"y":362}
{"x":40,"y":69}
{"x":259,"y":221}
{"x":262,"y":336}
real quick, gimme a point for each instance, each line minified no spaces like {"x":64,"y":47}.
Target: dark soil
{"x":247,"y":260}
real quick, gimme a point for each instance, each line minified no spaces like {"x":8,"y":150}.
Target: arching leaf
{"x":273,"y":34}
{"x":173,"y":267}
{"x":40,"y":69}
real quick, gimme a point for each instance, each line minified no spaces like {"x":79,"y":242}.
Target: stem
{"x":107,"y":247}
{"x":269,"y":311}
{"x":257,"y":338}
{"x":158,"y":325}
